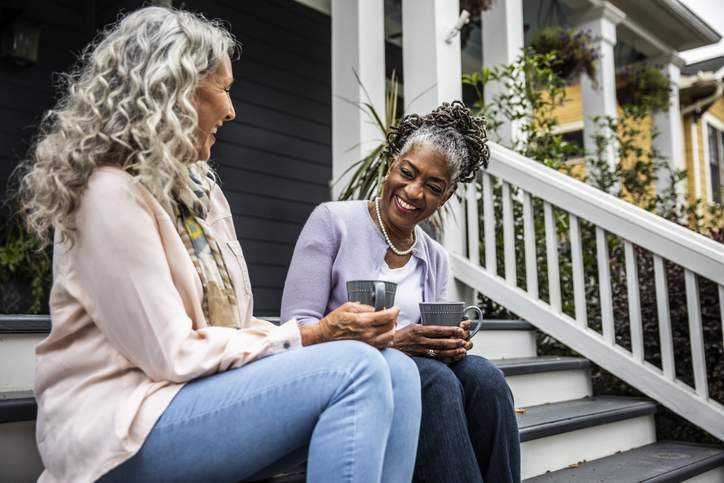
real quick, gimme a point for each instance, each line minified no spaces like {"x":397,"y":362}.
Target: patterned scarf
{"x":192,"y":205}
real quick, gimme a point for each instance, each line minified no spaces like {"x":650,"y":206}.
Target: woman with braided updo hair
{"x":468,"y":431}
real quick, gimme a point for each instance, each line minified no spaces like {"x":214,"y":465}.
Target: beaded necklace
{"x":394,"y":249}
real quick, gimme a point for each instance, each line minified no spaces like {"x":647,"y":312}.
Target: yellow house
{"x":702,"y":110}
{"x":701,"y":99}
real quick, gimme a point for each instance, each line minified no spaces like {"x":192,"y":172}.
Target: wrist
{"x":310,"y":334}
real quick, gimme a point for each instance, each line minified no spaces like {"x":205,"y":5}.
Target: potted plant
{"x":573,"y":50}
{"x":475,"y":8}
{"x":645,"y":87}
{"x":24,"y":267}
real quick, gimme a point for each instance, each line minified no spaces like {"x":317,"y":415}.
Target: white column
{"x":358,"y":45}
{"x":670,"y":141}
{"x":502,"y":39}
{"x":599,"y":95}
{"x":432,"y":71}
{"x":431,"y":67}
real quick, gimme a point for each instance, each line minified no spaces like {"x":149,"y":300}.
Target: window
{"x":716,"y":163}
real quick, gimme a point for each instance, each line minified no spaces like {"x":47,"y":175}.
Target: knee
{"x":370,"y":374}
{"x":480,"y":376}
{"x":405,"y":376}
{"x":438,"y":381}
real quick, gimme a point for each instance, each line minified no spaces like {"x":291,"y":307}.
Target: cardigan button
{"x":286,"y":345}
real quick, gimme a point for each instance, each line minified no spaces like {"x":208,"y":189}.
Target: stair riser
{"x":550,"y":387}
{"x":19,"y":458}
{"x":18,"y":361}
{"x":558,"y":451}
{"x":712,"y":476}
{"x":504,"y":344}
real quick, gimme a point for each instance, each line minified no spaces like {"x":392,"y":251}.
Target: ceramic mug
{"x":449,"y":313}
{"x":377,"y":293}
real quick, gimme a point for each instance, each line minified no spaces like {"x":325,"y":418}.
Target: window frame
{"x":718,"y":125}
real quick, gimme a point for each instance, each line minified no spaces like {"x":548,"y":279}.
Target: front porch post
{"x":670,"y":140}
{"x":432,"y":72}
{"x":502,"y":39}
{"x":599,"y":95}
{"x":358,"y":45}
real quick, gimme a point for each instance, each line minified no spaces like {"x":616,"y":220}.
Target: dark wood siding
{"x":274,"y":160}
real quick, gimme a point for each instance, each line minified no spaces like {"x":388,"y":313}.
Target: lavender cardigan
{"x":340,"y":242}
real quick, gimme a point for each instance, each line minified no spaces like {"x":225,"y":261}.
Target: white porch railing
{"x":529,"y":183}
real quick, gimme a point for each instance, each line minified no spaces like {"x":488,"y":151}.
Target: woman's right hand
{"x":448,"y":344}
{"x":354,"y":321}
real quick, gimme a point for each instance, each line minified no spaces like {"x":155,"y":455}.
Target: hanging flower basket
{"x":476,"y":8}
{"x":573,"y":50}
{"x":645,"y":87}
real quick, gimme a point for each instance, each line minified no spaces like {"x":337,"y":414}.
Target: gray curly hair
{"x":129,"y":102}
{"x":446,"y":140}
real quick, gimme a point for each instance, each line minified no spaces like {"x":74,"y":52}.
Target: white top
{"x":409,"y":289}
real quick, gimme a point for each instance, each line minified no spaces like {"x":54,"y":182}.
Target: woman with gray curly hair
{"x":469,"y":431}
{"x":155,"y":368}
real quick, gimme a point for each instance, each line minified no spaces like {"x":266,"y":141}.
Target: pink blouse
{"x":128,"y":329}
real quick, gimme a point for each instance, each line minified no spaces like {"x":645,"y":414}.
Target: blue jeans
{"x":469,"y":432}
{"x":349,"y":409}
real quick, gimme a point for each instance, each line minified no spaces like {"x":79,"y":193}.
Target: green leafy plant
{"x":643,"y":87}
{"x":574,"y":52}
{"x":367,"y":173}
{"x":24,"y":267}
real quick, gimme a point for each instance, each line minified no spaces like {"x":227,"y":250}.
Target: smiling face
{"x":213,"y":106}
{"x":418,"y":183}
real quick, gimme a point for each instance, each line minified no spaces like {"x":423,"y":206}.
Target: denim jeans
{"x":469,"y":432}
{"x":349,"y":409}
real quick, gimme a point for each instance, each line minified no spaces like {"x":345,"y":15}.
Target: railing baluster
{"x":696,"y":334}
{"x":508,"y":236}
{"x":721,"y":308}
{"x":604,"y":284}
{"x":471,"y":195}
{"x":634,"y":302}
{"x":531,"y":262}
{"x":554,"y":279}
{"x":662,"y":304}
{"x":579,"y":284}
{"x":491,"y":264}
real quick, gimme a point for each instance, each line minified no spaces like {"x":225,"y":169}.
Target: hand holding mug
{"x":356,"y":321}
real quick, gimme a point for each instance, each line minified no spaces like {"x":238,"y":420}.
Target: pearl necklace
{"x":395,"y":250}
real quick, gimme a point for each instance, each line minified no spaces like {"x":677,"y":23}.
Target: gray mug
{"x":377,"y":293}
{"x":448,"y":313}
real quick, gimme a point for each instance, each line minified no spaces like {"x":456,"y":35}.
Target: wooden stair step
{"x":663,"y":462}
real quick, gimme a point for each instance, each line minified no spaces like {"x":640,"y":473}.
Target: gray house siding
{"x":274,"y":160}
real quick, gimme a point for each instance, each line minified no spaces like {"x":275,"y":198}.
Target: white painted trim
{"x":550,"y":387}
{"x":677,"y":396}
{"x":558,"y":451}
{"x":708,"y":119}
{"x":568,"y":127}
{"x":17,"y":369}
{"x":695,"y":156}
{"x":691,"y":250}
{"x":504,"y":344}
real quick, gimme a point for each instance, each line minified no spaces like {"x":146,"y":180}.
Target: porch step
{"x":503,"y":339}
{"x":17,"y":406}
{"x":554,"y":436}
{"x":19,"y":334}
{"x":664,"y":462}
{"x":547,"y":379}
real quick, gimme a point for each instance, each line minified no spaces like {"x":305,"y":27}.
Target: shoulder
{"x":344,"y":209}
{"x":109,"y":186}
{"x":340,"y":213}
